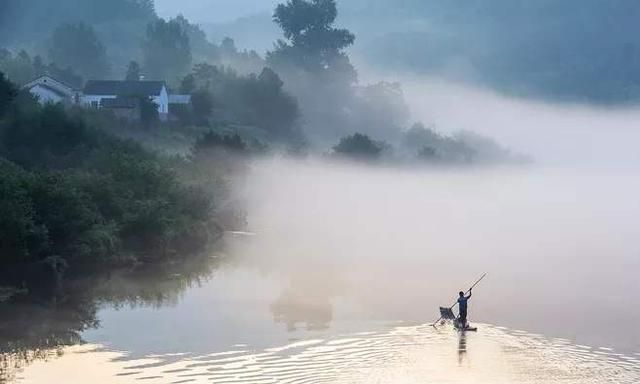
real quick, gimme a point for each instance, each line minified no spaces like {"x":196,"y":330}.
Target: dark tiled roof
{"x":123,"y":88}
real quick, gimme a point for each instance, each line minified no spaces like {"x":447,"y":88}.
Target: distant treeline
{"x":571,"y":50}
{"x":560,"y":50}
{"x":304,"y":93}
{"x":99,"y":38}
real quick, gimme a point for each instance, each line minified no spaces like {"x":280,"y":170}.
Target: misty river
{"x":342,"y":272}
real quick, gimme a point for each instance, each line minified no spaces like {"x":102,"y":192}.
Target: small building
{"x":97,"y":92}
{"x":51,"y":91}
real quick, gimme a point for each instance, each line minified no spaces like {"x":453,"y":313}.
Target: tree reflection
{"x":306,"y":301}
{"x":36,"y":327}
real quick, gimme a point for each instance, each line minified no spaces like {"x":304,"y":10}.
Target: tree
{"x":228,"y":47}
{"x":358,"y":146}
{"x":427,"y":144}
{"x":18,"y":68}
{"x":133,"y":71}
{"x":77,"y":46}
{"x":166,"y":49}
{"x":211,"y":140}
{"x":258,"y":101}
{"x":7,"y":94}
{"x":21,"y":69}
{"x":313,"y":43}
{"x":21,"y":239}
{"x":202,"y":104}
{"x":188,"y":84}
{"x":201,"y":48}
{"x":148,"y":111}
{"x":276,"y":111}
{"x":382,"y":109}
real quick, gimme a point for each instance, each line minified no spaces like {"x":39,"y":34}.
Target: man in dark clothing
{"x":462,"y":309}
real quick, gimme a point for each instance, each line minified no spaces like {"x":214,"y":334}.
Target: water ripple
{"x":409,"y":354}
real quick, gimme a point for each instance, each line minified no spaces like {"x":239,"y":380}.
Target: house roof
{"x":50,"y":83}
{"x":127,"y":88}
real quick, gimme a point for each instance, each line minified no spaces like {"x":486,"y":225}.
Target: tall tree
{"x":133,"y":71}
{"x":312,"y":43}
{"x":77,"y":46}
{"x":167,"y":51}
{"x":7,"y":93}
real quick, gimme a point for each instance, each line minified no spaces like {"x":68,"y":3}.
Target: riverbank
{"x":76,"y":198}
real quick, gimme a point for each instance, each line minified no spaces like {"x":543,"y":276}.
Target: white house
{"x":95,"y":91}
{"x":51,"y":91}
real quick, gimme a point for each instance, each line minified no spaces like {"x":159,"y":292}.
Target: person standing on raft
{"x":462,"y":309}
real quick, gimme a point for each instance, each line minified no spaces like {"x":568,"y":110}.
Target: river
{"x":342,"y":271}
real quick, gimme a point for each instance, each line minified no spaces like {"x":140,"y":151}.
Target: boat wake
{"x":408,"y":354}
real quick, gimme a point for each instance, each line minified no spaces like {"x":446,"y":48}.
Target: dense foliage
{"x":77,"y":46}
{"x":78,"y":195}
{"x":254,"y":100}
{"x":359,"y":147}
{"x":313,"y":43}
{"x":134,"y":71}
{"x":22,"y":68}
{"x":316,"y":69}
{"x":167,"y":51}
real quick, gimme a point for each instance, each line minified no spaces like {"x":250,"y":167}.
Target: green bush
{"x":80,"y":195}
{"x":359,"y":146}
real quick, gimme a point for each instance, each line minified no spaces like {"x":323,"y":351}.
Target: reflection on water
{"x":462,"y":347}
{"x":305,"y":301}
{"x":291,"y":303}
{"x":410,"y":354}
{"x":37,"y":328}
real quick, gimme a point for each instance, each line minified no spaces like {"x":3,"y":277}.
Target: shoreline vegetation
{"x":82,"y":189}
{"x":75,"y":197}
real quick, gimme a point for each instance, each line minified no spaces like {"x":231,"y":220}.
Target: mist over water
{"x":348,"y":264}
{"x":560,"y":247}
{"x":343,"y":265}
{"x":574,"y":135}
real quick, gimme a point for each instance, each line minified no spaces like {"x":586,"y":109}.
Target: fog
{"x":558,"y":237}
{"x":213,"y":11}
{"x":561,"y":134}
{"x":560,"y":246}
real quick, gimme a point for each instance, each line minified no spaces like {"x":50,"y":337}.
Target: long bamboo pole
{"x":468,"y":290}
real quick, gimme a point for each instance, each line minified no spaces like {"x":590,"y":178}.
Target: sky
{"x":213,"y":10}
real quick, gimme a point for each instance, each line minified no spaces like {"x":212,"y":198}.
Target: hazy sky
{"x":213,"y":10}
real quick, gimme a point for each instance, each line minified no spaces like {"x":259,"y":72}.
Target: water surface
{"x":345,"y":270}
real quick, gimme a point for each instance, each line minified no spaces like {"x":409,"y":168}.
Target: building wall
{"x":46,"y":96}
{"x":163,"y":103}
{"x":94,"y":100}
{"x":53,"y":83}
